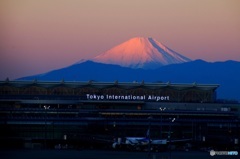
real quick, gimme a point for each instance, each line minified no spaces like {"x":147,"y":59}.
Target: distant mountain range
{"x":154,"y":63}
{"x":227,"y":74}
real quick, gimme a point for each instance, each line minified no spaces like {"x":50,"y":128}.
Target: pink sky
{"x":37,"y":36}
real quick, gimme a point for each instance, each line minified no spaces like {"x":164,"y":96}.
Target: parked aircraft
{"x":141,"y":143}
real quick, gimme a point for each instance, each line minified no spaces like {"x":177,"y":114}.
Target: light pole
{"x":161,"y":110}
{"x":169,"y":136}
{"x":148,"y":135}
{"x":45,"y":134}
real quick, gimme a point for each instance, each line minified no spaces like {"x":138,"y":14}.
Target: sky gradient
{"x":37,"y":36}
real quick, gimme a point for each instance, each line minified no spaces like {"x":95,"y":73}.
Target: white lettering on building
{"x":127,"y":97}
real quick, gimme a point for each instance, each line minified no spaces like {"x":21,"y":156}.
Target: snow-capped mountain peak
{"x":140,"y":52}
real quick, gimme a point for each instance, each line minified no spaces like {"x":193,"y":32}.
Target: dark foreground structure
{"x":103,"y":154}
{"x":47,"y":115}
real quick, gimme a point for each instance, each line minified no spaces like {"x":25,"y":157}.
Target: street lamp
{"x":148,"y":136}
{"x":45,"y":136}
{"x":161,"y":110}
{"x":169,"y":136}
{"x":46,"y":107}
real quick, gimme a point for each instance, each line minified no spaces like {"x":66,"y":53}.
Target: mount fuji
{"x":145,"y":59}
{"x":139,"y":52}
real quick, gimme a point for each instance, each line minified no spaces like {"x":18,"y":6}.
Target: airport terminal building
{"x":43,"y":114}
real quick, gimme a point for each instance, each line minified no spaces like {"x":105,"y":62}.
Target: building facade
{"x":43,"y":114}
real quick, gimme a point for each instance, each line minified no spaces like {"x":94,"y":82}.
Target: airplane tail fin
{"x":148,"y":133}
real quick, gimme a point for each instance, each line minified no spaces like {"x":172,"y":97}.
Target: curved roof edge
{"x":77,"y":84}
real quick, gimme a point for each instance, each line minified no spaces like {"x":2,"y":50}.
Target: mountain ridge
{"x":225,"y":73}
{"x":145,"y":59}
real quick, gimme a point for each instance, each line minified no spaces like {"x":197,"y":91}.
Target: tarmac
{"x":104,"y":154}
